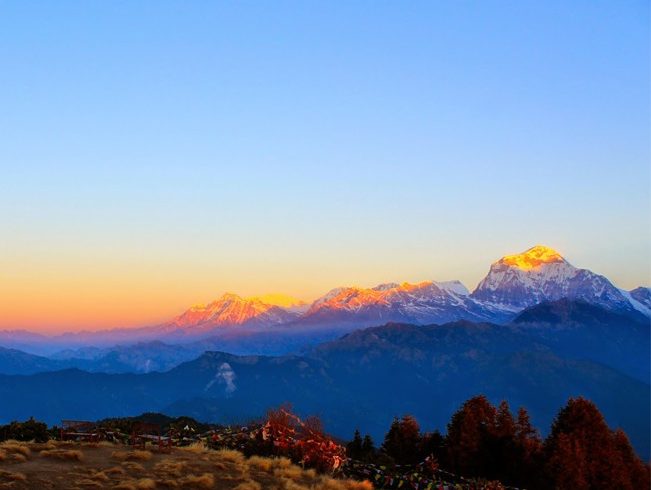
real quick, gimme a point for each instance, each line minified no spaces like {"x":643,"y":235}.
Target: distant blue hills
{"x":549,"y":352}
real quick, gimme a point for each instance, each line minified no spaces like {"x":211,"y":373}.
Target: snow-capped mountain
{"x":513,"y":283}
{"x":233,"y":310}
{"x":642,"y":295}
{"x":640,"y":298}
{"x":425,"y":302}
{"x":542,"y":274}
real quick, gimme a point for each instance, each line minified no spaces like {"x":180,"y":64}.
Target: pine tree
{"x":525,"y":433}
{"x":504,"y":423}
{"x":468,"y":433}
{"x":402,"y":442}
{"x":502,"y":448}
{"x":581,"y":440}
{"x":528,"y":447}
{"x":432,"y":444}
{"x":636,"y":470}
{"x":354,"y":447}
{"x":567,"y":464}
{"x":368,"y":448}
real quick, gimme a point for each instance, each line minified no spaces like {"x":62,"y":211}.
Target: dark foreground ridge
{"x":485,"y":447}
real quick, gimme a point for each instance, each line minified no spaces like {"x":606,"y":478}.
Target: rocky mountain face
{"x":513,"y":283}
{"x":232,"y":310}
{"x":643,"y":296}
{"x":425,"y":302}
{"x":542,"y":274}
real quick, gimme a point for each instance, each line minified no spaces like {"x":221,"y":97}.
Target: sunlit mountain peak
{"x":230,"y":297}
{"x":231,"y":309}
{"x":533,"y":258}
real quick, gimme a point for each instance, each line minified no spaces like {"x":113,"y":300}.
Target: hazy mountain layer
{"x":360,"y":380}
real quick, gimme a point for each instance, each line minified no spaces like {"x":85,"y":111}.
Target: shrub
{"x":30,"y":430}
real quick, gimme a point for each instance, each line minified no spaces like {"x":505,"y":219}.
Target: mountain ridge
{"x":512,"y":284}
{"x":367,"y":376}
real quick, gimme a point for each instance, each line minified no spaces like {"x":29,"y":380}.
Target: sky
{"x":156,"y":154}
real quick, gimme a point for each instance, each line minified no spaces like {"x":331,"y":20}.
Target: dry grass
{"x":15,"y":447}
{"x":136,"y":455}
{"x":111,"y":466}
{"x":327,"y":483}
{"x":99,"y":475}
{"x":41,"y":446}
{"x":88,"y":483}
{"x":63,"y":454}
{"x":292,"y":485}
{"x":141,"y":484}
{"x":17,"y":458}
{"x":259,"y":463}
{"x":249,"y":485}
{"x":133,"y":466}
{"x":289,"y":472}
{"x":281,"y":462}
{"x":145,"y":484}
{"x":12,"y":476}
{"x":207,"y":480}
{"x":195,"y":447}
{"x":230,"y":456}
{"x":170,"y":468}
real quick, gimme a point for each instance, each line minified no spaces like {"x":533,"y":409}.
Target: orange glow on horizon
{"x":54,"y":293}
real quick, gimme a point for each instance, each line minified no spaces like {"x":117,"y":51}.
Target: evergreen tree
{"x":502,"y":451}
{"x":354,"y":447}
{"x":567,"y":464}
{"x":504,"y":423}
{"x":368,"y":448}
{"x":528,"y":450}
{"x":581,"y":441}
{"x":637,"y":471}
{"x":525,"y":433}
{"x":468,"y":432}
{"x":433,"y":444}
{"x":402,"y":442}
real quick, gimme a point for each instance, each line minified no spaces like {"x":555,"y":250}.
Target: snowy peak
{"x":640,"y":298}
{"x":513,"y":283}
{"x":642,"y":295}
{"x":232,"y":310}
{"x":534,"y":258}
{"x":423,"y":302}
{"x":455,"y":287}
{"x":542,"y":274}
{"x":351,"y":298}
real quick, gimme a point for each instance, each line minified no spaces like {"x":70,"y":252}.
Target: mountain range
{"x":535,"y":331}
{"x":513,"y":283}
{"x":548,"y":353}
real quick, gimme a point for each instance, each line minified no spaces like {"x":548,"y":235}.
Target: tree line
{"x":485,"y":441}
{"x":482,"y":441}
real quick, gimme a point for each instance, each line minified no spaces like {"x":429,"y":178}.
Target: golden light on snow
{"x":533,"y":258}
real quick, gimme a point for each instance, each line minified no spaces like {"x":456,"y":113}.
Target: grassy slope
{"x":57,"y":465}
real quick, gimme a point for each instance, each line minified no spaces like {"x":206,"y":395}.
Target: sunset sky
{"x":156,"y":154}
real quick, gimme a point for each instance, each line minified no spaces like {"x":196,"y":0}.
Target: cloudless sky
{"x":154,"y":154}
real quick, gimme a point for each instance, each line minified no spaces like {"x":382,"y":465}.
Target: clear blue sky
{"x":156,"y":153}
